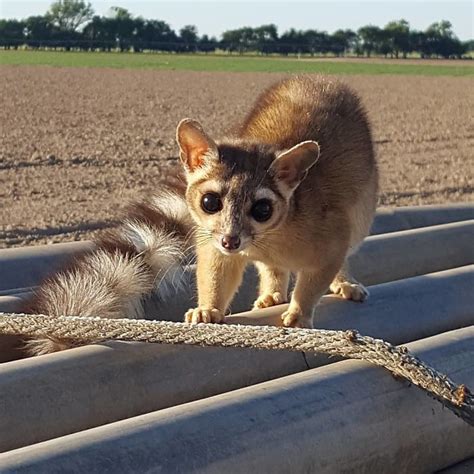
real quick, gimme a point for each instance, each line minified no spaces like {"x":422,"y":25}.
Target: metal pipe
{"x":381,"y":258}
{"x":26,"y":266}
{"x":393,"y":219}
{"x":140,"y":378}
{"x":390,"y":257}
{"x":346,"y":417}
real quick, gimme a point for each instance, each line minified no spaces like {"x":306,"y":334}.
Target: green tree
{"x":124,"y":27}
{"x":398,"y":35}
{"x":442,"y":28}
{"x":469,"y":45}
{"x":419,"y":43}
{"x":440,"y":40}
{"x":249,"y":39}
{"x":241,"y":40}
{"x":342,"y":41}
{"x":384,"y":44}
{"x":266,"y":38}
{"x":293,"y":41}
{"x":119,"y":13}
{"x":189,"y":36}
{"x":156,"y":35}
{"x":70,"y":15}
{"x":370,"y":37}
{"x":316,"y":41}
{"x":206,"y":44}
{"x":100,"y":33}
{"x":231,"y":40}
{"x":38,"y":29}
{"x":11,"y":33}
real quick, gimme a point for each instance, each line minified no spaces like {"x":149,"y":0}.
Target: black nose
{"x":230,"y":242}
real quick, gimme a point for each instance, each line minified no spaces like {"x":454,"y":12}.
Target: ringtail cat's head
{"x":238,"y":191}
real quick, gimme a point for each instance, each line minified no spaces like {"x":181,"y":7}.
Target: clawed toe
{"x":201,"y":315}
{"x":351,"y":291}
{"x":295,"y":319}
{"x":268,"y":300}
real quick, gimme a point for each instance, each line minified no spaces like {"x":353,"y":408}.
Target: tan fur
{"x":217,"y":280}
{"x":322,"y":208}
{"x":104,"y":284}
{"x":130,"y":262}
{"x":273,"y":286}
{"x":305,"y":150}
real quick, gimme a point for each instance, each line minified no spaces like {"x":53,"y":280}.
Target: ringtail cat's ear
{"x":291,"y":167}
{"x":195,"y":146}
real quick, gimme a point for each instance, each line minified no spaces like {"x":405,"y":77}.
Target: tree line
{"x":73,"y":25}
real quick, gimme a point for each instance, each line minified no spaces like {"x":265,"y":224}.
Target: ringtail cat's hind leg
{"x":273,"y":286}
{"x":360,"y":216}
{"x":309,"y":288}
{"x":346,"y":286}
{"x":218,"y":278}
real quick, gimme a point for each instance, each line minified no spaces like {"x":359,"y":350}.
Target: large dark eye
{"x":211,"y":203}
{"x":261,"y":210}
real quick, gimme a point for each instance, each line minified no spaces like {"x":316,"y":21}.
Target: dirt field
{"x":400,"y":61}
{"x":76,"y":144}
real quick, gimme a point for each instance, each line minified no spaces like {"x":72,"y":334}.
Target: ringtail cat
{"x":291,"y":190}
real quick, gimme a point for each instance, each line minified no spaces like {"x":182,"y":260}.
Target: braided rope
{"x":349,"y":344}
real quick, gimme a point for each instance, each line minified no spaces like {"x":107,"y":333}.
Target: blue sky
{"x":214,"y":17}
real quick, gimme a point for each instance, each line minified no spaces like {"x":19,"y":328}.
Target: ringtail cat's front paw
{"x":296,"y":319}
{"x":269,"y":299}
{"x":202,"y":315}
{"x":354,"y":291}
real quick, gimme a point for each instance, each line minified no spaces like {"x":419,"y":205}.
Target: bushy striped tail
{"x":126,"y":265}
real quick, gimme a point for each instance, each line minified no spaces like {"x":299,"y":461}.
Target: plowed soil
{"x":77,"y":144}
